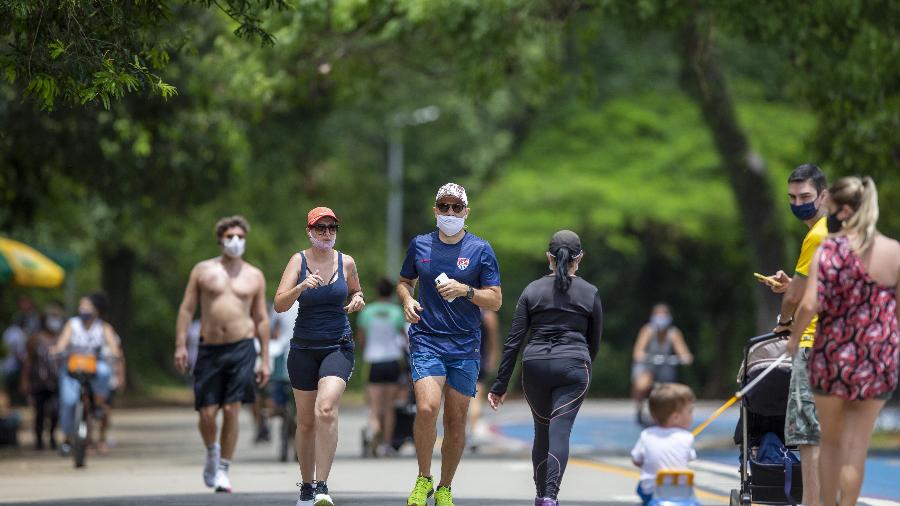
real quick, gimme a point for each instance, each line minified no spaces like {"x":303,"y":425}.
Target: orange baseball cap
{"x":318,"y":213}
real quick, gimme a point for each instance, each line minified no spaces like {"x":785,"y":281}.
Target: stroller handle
{"x":770,"y":335}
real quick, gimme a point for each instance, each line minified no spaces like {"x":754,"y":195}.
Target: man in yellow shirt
{"x":806,"y":191}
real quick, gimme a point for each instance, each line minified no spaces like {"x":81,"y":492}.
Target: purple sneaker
{"x":546,"y":501}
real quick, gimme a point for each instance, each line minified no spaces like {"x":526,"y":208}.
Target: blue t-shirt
{"x":449,"y":329}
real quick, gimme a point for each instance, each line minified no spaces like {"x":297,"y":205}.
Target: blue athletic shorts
{"x":461,"y":373}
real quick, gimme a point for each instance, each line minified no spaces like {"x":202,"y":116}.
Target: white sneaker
{"x":212,"y":464}
{"x":223,"y":484}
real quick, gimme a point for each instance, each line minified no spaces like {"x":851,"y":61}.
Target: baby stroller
{"x":763,"y":411}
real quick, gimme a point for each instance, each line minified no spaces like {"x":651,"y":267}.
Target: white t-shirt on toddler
{"x":662,"y":448}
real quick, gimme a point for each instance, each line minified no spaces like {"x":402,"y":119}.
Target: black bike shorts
{"x":306,"y":366}
{"x":384,"y":372}
{"x":224,"y":374}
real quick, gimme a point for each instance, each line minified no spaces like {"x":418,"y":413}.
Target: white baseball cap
{"x":452,"y":190}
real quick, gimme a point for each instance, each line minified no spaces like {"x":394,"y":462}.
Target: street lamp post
{"x":395,"y":181}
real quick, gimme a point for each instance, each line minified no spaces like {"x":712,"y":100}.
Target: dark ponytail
{"x":562,"y":281}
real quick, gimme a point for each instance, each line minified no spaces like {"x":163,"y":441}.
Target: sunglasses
{"x":334,"y":227}
{"x":444,"y":207}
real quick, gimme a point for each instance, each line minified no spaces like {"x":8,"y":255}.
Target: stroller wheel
{"x":745,"y":499}
{"x":735,"y":498}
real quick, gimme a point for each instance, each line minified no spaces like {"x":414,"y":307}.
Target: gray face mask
{"x":661,"y":321}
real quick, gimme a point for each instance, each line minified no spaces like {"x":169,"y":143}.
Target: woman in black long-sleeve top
{"x":564,"y":316}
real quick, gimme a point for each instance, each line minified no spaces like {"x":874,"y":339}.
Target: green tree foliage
{"x":85,"y":51}
{"x":638,"y":178}
{"x":553,"y":114}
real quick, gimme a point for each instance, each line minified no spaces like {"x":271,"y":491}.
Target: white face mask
{"x":327,"y":244}
{"x":661,"y":321}
{"x":234,"y":247}
{"x":450,"y":225}
{"x":54,"y":324}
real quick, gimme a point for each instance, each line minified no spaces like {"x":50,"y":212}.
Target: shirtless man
{"x":231,"y":293}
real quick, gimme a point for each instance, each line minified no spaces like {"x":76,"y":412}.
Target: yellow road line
{"x":630,"y":473}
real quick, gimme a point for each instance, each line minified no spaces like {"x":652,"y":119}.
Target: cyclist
{"x":85,"y":334}
{"x":658,"y":351}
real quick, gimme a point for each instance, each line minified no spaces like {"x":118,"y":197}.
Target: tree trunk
{"x":117,"y":274}
{"x":704,"y":80}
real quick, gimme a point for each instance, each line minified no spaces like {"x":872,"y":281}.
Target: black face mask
{"x":834,"y":223}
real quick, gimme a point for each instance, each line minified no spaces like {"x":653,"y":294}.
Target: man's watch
{"x":470,"y":294}
{"x":787,"y":323}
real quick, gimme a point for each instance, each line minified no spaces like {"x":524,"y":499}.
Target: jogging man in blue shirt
{"x":459,"y":276}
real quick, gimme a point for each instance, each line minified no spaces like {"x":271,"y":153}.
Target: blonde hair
{"x":668,"y":398}
{"x":862,"y":196}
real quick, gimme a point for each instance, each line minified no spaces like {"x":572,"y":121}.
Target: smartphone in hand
{"x":440,"y":280}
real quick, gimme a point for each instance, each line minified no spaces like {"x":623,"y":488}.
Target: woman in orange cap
{"x":326,"y":285}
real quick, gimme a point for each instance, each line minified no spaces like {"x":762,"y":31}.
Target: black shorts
{"x":306,"y":366}
{"x":224,"y":374}
{"x":385,"y":372}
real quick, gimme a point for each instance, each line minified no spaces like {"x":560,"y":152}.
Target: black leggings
{"x":45,"y":406}
{"x":555,"y":390}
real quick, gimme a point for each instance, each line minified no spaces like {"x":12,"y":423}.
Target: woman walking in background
{"x":853,"y":366}
{"x":564,"y":316}
{"x":381,"y":331}
{"x":325,"y":283}
{"x":40,"y":374}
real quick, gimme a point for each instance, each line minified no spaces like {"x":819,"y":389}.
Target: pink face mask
{"x":320,"y":244}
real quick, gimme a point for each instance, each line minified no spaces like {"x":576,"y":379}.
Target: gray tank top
{"x":657,"y":347}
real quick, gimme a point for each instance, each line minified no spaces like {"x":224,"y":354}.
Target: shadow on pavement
{"x":352,"y":499}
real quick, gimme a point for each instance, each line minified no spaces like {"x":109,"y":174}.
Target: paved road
{"x":157,"y":459}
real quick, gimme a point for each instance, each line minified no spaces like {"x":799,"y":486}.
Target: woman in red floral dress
{"x":853,"y":367}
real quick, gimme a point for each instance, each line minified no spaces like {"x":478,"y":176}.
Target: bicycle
{"x":83,"y":368}
{"x":654,"y":362}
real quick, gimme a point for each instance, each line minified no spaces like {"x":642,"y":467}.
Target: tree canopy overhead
{"x":554,"y":114}
{"x":84,"y":51}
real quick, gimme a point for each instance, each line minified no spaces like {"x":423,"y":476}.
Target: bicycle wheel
{"x":80,"y":436}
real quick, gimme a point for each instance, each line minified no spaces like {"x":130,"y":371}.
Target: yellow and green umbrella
{"x":25,"y":266}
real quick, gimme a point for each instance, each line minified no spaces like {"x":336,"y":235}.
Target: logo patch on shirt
{"x":462,"y":263}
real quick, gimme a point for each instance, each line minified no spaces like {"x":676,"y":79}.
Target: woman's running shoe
{"x":307,"y":494}
{"x":322,"y":497}
{"x":443,"y":497}
{"x":423,"y":489}
{"x":545,"y":501}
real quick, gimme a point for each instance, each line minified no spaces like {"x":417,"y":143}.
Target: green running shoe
{"x":421,"y":492}
{"x":443,"y":497}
